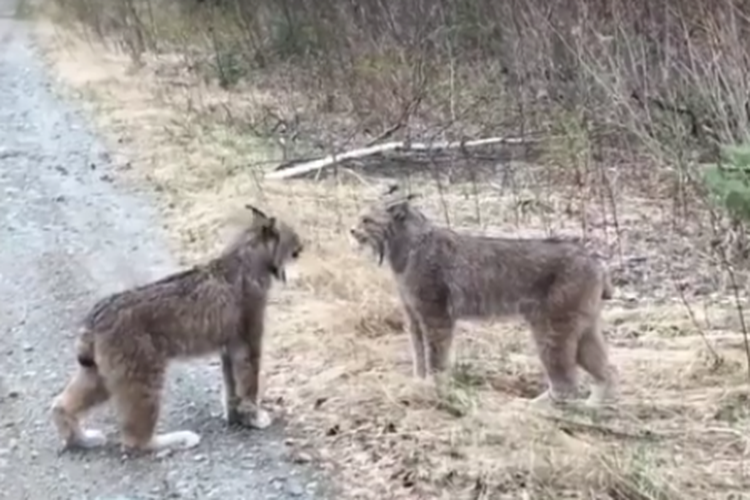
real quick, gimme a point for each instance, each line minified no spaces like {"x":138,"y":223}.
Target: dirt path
{"x":67,"y":238}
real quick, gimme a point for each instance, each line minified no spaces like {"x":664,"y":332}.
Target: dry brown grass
{"x":338,"y":364}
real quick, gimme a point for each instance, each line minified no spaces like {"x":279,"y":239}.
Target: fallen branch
{"x":397,"y":146}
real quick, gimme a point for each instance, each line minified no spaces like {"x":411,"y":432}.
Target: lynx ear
{"x":399,"y":210}
{"x":268,"y":228}
{"x":258,"y":213}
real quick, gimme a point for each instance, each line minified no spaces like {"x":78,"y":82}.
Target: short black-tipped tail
{"x":85,"y":349}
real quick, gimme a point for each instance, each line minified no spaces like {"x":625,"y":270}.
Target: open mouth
{"x":357,"y":238}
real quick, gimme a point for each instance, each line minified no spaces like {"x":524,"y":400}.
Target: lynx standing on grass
{"x":443,"y":276}
{"x":129,"y":338}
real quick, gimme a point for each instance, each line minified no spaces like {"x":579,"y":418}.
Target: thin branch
{"x":396,"y":146}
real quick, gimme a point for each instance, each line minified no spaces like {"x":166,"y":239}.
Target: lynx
{"x":129,"y":338}
{"x":443,"y":275}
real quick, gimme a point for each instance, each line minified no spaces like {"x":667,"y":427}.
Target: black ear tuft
{"x":391,"y":189}
{"x":256,"y":211}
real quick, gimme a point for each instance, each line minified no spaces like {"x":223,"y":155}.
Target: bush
{"x":728,"y":182}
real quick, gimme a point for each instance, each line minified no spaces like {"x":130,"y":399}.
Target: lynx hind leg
{"x":138,"y":405}
{"x":556,"y":344}
{"x":592,"y":356}
{"x":84,"y":391}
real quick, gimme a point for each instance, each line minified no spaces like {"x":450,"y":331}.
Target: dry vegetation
{"x":623,"y":101}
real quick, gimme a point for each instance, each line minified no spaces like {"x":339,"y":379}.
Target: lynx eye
{"x":296,"y":252}
{"x":367,"y":220}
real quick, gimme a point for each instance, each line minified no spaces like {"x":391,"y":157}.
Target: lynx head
{"x":273,"y":238}
{"x":386,"y":223}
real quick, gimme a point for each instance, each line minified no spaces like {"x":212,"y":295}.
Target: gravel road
{"x":67,"y":237}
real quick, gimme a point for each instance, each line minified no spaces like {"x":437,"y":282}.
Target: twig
{"x":694,"y":320}
{"x":575,"y":425}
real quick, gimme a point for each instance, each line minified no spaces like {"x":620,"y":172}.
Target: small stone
{"x":295,"y":489}
{"x":278,"y":483}
{"x":301,"y":458}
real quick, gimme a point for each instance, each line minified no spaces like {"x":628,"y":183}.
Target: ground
{"x":68,"y":237}
{"x":337,"y":360}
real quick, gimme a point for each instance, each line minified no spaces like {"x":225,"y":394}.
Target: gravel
{"x":67,"y":237}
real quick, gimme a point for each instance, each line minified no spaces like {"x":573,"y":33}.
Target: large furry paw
{"x":87,"y":439}
{"x":544,"y":399}
{"x":260,"y":419}
{"x":249,"y":415}
{"x":177,"y":440}
{"x":549,"y":399}
{"x":441,"y":379}
{"x":600,"y":396}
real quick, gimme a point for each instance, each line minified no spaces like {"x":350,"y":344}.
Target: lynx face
{"x":281,"y":243}
{"x":387,"y":225}
{"x":372,"y":230}
{"x":287,"y":249}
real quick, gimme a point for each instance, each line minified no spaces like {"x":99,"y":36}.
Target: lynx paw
{"x":549,"y":399}
{"x":600,"y":396}
{"x":88,"y":438}
{"x":544,"y":399}
{"x":248,"y":414}
{"x":260,"y":419}
{"x":178,"y":440}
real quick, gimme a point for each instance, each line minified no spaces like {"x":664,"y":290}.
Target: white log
{"x":401,"y":146}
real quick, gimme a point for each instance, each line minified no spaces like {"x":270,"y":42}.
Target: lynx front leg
{"x":246,"y":356}
{"x":417,"y":344}
{"x":438,"y":334}
{"x":230,"y":398}
{"x":556,"y":344}
{"x":592,"y":356}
